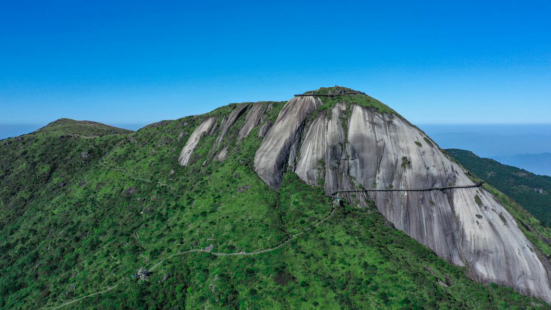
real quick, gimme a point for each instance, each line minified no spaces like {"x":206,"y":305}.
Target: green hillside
{"x":349,"y":95}
{"x":81,"y":213}
{"x":67,"y":126}
{"x":531,"y":191}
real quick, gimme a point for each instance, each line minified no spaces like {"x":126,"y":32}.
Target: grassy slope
{"x":67,"y":126}
{"x":516,"y":183}
{"x":73,"y":225}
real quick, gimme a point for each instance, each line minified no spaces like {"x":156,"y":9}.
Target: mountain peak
{"x":335,"y":90}
{"x":67,"y":126}
{"x":331,"y":96}
{"x":259,"y":179}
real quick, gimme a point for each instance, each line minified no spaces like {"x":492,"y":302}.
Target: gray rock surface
{"x":193,"y":141}
{"x":264,"y":129}
{"x":228,"y":123}
{"x":221,"y":156}
{"x":273,"y":153}
{"x":350,"y":147}
{"x":493,"y":249}
{"x":311,"y":165}
{"x":381,"y":151}
{"x":253,"y":119}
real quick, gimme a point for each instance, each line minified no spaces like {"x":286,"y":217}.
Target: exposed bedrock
{"x":228,"y":122}
{"x":205,"y":127}
{"x":254,"y":118}
{"x":264,"y":129}
{"x":371,"y":150}
{"x":282,"y":139}
{"x":222,"y":130}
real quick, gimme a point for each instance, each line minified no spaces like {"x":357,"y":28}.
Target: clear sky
{"x":123,"y":62}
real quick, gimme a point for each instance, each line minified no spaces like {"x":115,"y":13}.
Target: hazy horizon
{"x":485,"y":140}
{"x":434,"y":128}
{"x":445,"y":62}
{"x":472,"y":74}
{"x":525,"y":146}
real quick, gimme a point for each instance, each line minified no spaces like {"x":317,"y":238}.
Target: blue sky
{"x":124,"y":62}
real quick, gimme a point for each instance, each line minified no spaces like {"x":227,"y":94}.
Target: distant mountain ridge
{"x":492,"y":140}
{"x":66,"y":126}
{"x":531,"y":191}
{"x":536,"y":163}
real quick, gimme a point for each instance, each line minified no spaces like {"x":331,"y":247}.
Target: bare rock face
{"x":219,"y":148}
{"x":322,"y":152}
{"x":390,"y":153}
{"x":278,"y":143}
{"x":311,"y":164}
{"x":264,"y":129}
{"x":228,"y":123}
{"x":348,"y":147}
{"x":352,"y":147}
{"x":221,"y":156}
{"x":253,"y":119}
{"x":194,"y":139}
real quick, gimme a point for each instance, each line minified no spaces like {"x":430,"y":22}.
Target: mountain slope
{"x":67,"y":126}
{"x":537,"y":163}
{"x":81,"y":216}
{"x":370,"y":148}
{"x":532,"y":191}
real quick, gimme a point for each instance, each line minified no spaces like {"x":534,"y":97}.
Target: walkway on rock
{"x":479,"y":184}
{"x":330,"y":95}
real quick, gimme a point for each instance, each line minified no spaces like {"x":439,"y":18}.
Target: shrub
{"x":406,"y":163}
{"x":427,"y":140}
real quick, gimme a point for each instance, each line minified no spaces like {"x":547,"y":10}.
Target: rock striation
{"x":280,"y":143}
{"x":353,"y":147}
{"x":254,"y":117}
{"x":349,"y":141}
{"x":193,"y":141}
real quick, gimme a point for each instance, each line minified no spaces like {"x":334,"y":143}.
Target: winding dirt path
{"x":287,"y":241}
{"x":128,"y":174}
{"x":81,"y":298}
{"x":282,"y":244}
{"x":249,"y":253}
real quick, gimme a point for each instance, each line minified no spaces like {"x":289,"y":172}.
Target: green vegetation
{"x":81,"y":215}
{"x":531,"y":191}
{"x":406,"y":163}
{"x":67,"y":126}
{"x":535,"y":231}
{"x":418,"y":143}
{"x":358,"y":99}
{"x":478,"y":200}
{"x":429,"y":142}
